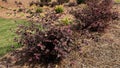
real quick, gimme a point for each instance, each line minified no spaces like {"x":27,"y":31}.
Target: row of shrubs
{"x":54,"y":44}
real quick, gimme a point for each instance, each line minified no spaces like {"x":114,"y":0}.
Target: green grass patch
{"x":7,"y":34}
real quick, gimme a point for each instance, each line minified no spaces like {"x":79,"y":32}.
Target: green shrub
{"x":66,"y":21}
{"x":59,"y":9}
{"x":39,"y":10}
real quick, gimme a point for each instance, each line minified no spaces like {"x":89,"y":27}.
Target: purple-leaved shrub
{"x":97,"y":15}
{"x":49,"y":46}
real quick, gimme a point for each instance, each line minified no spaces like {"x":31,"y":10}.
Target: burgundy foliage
{"x":97,"y":15}
{"x":49,"y":46}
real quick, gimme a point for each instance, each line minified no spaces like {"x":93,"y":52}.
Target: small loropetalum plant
{"x":39,"y":10}
{"x":49,"y":46}
{"x":59,"y":9}
{"x":66,"y":21}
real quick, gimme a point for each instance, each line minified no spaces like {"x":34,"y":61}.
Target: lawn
{"x":7,"y":35}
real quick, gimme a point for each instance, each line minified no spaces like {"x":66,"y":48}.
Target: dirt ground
{"x":98,"y":51}
{"x":10,"y":5}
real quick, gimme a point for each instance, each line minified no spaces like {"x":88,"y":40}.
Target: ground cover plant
{"x":59,"y":9}
{"x":66,"y":21}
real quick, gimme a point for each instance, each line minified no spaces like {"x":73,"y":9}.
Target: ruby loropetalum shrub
{"x":96,"y":16}
{"x":49,"y":46}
